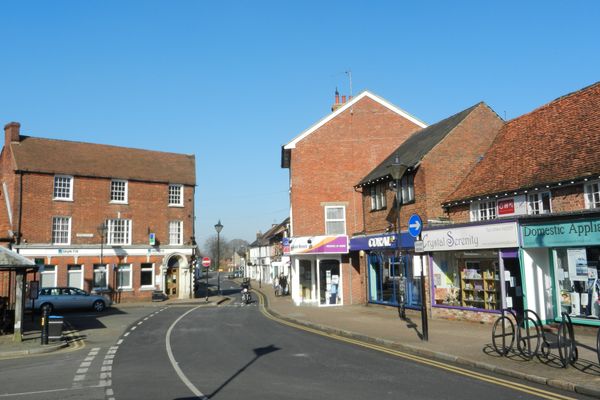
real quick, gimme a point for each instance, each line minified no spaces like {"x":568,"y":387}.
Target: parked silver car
{"x":54,"y":298}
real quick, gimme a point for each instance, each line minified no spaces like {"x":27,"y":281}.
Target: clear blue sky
{"x":233,"y":81}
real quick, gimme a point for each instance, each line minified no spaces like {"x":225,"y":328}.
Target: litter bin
{"x":55,"y":327}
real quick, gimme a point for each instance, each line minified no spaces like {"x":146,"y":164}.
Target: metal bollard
{"x":44,"y":335}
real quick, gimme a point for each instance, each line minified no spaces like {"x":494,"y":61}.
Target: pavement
{"x":458,"y":342}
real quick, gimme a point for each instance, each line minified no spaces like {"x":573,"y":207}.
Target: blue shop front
{"x":389,"y":260}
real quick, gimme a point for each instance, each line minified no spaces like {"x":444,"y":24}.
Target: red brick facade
{"x":147,"y":208}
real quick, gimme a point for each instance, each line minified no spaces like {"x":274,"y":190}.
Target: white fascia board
{"x":366,"y":93}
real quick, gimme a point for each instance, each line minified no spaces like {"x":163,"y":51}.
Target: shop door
{"x":171,"y":281}
{"x":329,"y":282}
{"x":513,"y":285}
{"x":305,"y":280}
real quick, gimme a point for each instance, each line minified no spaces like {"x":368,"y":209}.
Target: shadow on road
{"x":258,"y":352}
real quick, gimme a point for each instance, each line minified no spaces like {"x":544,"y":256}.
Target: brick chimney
{"x":339,"y":103}
{"x":11,"y":133}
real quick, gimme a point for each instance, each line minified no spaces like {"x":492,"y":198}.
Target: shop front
{"x":475,"y":270}
{"x":316,"y":269}
{"x":561,"y":260}
{"x":389,"y":266}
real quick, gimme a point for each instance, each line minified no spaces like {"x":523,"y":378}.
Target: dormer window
{"x":592,"y":195}
{"x":483,"y":210}
{"x":378,"y":201}
{"x":407,"y":186}
{"x":118,"y":191}
{"x":63,"y":187}
{"x":538,"y":203}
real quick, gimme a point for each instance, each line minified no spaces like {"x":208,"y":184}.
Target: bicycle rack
{"x":567,"y":347}
{"x":528,"y":343}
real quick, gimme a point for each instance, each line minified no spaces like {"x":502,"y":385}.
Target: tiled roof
{"x":554,"y":143}
{"x":416,"y":147}
{"x":97,"y":160}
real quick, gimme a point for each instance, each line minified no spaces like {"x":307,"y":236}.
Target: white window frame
{"x":172,"y":195}
{"x":487,"y":210}
{"x":61,"y":179}
{"x":535,"y":203}
{"x":327,"y":220}
{"x":176,"y":232}
{"x":54,"y":233}
{"x":114,"y":228}
{"x":81,"y":271}
{"x":592,"y":195}
{"x":107,"y":277}
{"x":125,"y":268}
{"x":54,"y":272}
{"x":149,"y":267}
{"x":116,"y":193}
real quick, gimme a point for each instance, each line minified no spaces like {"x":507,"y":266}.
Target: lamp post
{"x":102,"y":231}
{"x":218,"y":228}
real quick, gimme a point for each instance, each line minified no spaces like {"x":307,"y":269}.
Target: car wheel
{"x":47,"y":306}
{"x":99,"y":305}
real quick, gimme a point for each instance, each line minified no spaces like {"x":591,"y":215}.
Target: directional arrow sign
{"x":414,"y":225}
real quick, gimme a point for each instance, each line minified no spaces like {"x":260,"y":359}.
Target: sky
{"x":233,"y":81}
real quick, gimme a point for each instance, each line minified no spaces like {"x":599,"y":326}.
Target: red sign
{"x":506,"y":207}
{"x":206,"y":262}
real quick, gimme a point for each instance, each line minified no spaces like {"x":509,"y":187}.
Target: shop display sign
{"x":492,"y":236}
{"x":564,"y":233}
{"x":578,"y":265}
{"x":319,"y":245}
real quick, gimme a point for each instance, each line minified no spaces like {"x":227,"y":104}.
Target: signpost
{"x":206,"y":264}
{"x":415,"y":225}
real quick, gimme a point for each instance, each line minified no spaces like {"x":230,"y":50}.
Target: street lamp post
{"x":218,"y":228}
{"x":102,"y":231}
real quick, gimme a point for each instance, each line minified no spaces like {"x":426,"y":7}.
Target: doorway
{"x":329,"y":282}
{"x":305,"y":277}
{"x":171,"y":278}
{"x":513,"y":285}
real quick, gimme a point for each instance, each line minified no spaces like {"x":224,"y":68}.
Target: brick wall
{"x":147,"y":208}
{"x":327,"y":164}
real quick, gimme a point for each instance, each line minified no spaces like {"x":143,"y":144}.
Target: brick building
{"x":527,"y":219}
{"x":415,"y":179}
{"x":325,"y":162}
{"x":102,"y":218}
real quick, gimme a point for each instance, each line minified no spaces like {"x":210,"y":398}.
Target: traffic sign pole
{"x":415,"y":225}
{"x":206,"y":264}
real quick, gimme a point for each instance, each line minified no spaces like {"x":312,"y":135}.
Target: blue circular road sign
{"x":415,"y":225}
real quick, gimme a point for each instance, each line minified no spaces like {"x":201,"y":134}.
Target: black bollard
{"x":44,"y":325}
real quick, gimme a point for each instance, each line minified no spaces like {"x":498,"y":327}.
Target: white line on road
{"x":49,"y":391}
{"x":178,"y":370}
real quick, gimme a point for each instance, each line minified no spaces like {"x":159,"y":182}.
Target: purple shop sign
{"x":319,"y":245}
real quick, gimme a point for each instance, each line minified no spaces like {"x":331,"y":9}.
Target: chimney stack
{"x":11,"y":133}
{"x":337,"y":103}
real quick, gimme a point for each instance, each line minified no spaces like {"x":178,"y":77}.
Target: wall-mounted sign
{"x":319,"y":245}
{"x":506,"y":207}
{"x":563,"y":233}
{"x":152,"y":239}
{"x":491,"y":236}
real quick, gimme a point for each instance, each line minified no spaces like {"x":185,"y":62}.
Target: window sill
{"x":128,"y":289}
{"x":61,"y":199}
{"x":176,"y":205}
{"x":147,"y":288}
{"x":118,"y":202}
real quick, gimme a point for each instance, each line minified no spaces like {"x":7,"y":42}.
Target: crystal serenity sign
{"x":491,"y":236}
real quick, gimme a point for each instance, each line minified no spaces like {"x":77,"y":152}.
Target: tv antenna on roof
{"x":349,"y":73}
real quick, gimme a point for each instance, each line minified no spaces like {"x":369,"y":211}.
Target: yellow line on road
{"x":422,"y":360}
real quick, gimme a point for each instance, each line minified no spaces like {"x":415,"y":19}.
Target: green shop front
{"x":560,"y":259}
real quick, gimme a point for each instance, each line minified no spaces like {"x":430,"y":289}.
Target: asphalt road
{"x":235,"y":352}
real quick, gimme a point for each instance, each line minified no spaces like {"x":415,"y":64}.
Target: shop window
{"x":467,"y":282}
{"x":577,"y":270}
{"x":592,"y":195}
{"x":378,"y":200}
{"x":48,"y":276}
{"x":124,"y":276}
{"x":329,"y":281}
{"x":335,"y":220}
{"x":147,"y":275}
{"x":75,"y":276}
{"x":538,"y":203}
{"x":100,"y":277}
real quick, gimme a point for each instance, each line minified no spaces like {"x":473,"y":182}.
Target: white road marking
{"x":82,"y":371}
{"x":120,"y":341}
{"x":178,"y":370}
{"x":126,"y":334}
{"x":85,"y":364}
{"x":48,"y":391}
